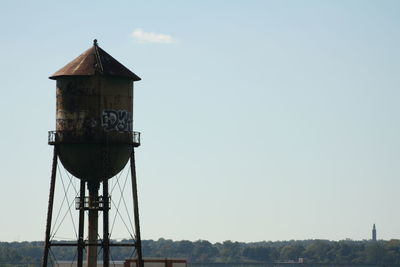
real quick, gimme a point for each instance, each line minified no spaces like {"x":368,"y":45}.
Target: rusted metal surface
{"x":94,"y":112}
{"x":93,"y":223}
{"x":92,"y":105}
{"x":95,"y":61}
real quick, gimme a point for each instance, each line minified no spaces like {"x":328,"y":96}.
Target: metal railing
{"x":52,"y":137}
{"x":136,"y":137}
{"x":57,"y":137}
{"x":92,"y":203}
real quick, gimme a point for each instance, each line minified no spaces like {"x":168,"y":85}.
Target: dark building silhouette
{"x":373,"y":233}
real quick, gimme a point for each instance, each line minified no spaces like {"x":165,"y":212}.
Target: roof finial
{"x":95,"y":42}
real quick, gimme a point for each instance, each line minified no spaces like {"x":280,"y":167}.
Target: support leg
{"x":81,"y":242}
{"x":50,"y":208}
{"x":138,"y":241}
{"x":106,"y":236}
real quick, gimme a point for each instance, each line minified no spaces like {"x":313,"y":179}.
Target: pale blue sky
{"x":261,"y":120}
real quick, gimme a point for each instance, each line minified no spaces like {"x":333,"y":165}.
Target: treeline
{"x":201,"y":251}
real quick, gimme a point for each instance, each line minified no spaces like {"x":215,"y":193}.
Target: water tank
{"x":94,"y":134}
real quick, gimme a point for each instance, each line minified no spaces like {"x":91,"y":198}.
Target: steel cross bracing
{"x":105,"y":203}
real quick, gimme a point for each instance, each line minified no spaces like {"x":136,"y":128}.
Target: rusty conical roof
{"x":95,"y":61}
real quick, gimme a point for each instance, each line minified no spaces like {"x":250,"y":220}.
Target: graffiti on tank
{"x":116,"y":120}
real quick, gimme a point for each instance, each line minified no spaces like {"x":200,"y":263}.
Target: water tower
{"x":94,"y":140}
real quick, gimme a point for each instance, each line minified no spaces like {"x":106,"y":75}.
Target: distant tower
{"x":373,"y":233}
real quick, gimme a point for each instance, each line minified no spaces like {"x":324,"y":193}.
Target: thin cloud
{"x":152,"y":37}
